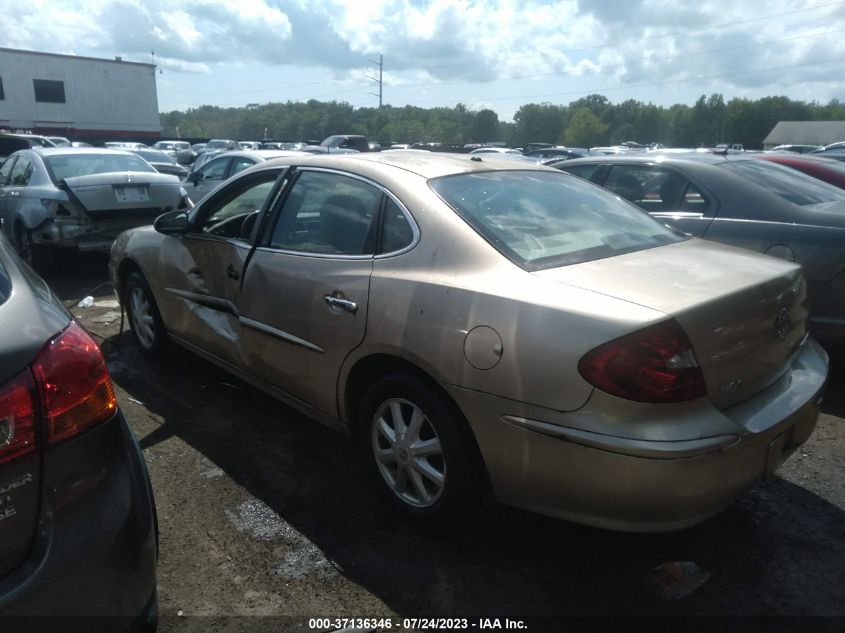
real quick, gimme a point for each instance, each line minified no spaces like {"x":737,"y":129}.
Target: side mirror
{"x":194,"y":177}
{"x":172,"y":223}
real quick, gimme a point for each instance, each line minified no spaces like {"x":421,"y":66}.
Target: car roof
{"x":691,"y":158}
{"x":425,"y":164}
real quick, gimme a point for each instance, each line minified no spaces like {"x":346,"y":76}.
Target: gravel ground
{"x":265,"y":513}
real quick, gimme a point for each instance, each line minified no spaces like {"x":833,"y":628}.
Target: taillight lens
{"x":75,"y":385}
{"x":17,"y":417}
{"x":656,"y":364}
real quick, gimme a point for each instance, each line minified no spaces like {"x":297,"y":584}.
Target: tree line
{"x":587,"y":122}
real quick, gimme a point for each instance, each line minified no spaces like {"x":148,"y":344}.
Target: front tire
{"x":144,"y":318}
{"x":420,"y":451}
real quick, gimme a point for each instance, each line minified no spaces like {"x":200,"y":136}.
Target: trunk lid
{"x":744,"y":313}
{"x":125,"y":194}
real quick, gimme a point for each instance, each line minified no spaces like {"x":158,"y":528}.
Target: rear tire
{"x":144,"y":318}
{"x":421,"y":453}
{"x":40,"y":258}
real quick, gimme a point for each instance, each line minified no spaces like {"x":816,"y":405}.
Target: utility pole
{"x":380,"y":63}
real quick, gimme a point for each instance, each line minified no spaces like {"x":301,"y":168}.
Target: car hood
{"x":744,"y":313}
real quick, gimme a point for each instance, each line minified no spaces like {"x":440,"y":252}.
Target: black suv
{"x":78,"y":533}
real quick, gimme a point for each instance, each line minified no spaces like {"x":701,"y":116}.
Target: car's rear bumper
{"x":563,"y":469}
{"x":95,"y":549}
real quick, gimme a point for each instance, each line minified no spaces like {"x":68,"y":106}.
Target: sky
{"x":496,"y":54}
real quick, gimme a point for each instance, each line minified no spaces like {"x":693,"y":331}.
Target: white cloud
{"x":560,"y":43}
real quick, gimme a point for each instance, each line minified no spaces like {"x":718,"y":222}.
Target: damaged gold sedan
{"x":487,"y":329}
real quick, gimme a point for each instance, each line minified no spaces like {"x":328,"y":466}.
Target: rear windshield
{"x":543,"y":220}
{"x":789,"y":184}
{"x":77,"y":164}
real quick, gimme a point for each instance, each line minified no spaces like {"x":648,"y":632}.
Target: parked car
{"x":180,"y":151}
{"x":224,"y":144}
{"x":796,"y":149}
{"x":249,"y":145}
{"x":163,"y":162}
{"x":125,"y":145}
{"x":495,"y":150}
{"x":835,"y":153}
{"x":561,"y":152}
{"x":225,"y":165}
{"x":198,"y":148}
{"x":67,"y":198}
{"x":486,"y":327}
{"x":346,"y":141}
{"x":11,"y":143}
{"x":78,"y":531}
{"x":59,"y":141}
{"x":739,"y":200}
{"x":826,"y":169}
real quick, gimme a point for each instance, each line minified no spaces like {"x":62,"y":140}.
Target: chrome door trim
{"x":215,"y":303}
{"x":280,"y":334}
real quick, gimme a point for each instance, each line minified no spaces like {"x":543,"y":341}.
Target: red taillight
{"x":17,"y":417}
{"x":75,"y":386}
{"x":655,"y":364}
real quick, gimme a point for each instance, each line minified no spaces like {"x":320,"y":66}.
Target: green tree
{"x":585,"y":129}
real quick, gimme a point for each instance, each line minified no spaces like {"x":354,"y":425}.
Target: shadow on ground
{"x":779,"y":550}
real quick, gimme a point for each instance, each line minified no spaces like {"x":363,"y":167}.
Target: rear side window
{"x":396,"y":232}
{"x":540,"y":219}
{"x":789,"y":184}
{"x":6,"y":170}
{"x":21,"y":172}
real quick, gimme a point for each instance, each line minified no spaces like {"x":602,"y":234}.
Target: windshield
{"x":542,"y":220}
{"x":71,"y":165}
{"x":789,"y":184}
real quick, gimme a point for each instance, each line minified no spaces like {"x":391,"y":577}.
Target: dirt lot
{"x":265,"y":513}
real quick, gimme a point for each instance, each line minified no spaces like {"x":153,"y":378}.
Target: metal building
{"x":84,"y":98}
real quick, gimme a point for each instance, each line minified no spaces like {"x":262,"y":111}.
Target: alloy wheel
{"x":142,"y":317}
{"x":408,"y":452}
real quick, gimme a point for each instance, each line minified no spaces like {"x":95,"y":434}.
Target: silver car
{"x":81,"y":199}
{"x":206,"y":177}
{"x":490,"y":329}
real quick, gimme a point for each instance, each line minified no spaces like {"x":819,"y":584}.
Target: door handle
{"x":231,"y":273}
{"x":344,"y":304}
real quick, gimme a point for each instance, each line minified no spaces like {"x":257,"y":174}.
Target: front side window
{"x":239,"y":164}
{"x":655,"y":188}
{"x":49,"y":91}
{"x":74,"y":164}
{"x":215,"y":170}
{"x":541,"y":219}
{"x":328,"y":213}
{"x":582,"y":171}
{"x":233,"y":214}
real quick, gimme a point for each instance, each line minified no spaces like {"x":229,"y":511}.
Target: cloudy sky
{"x":497,"y":54}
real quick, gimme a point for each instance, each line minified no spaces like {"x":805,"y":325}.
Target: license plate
{"x":131,"y":194}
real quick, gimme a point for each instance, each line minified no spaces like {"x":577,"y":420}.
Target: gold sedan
{"x":489,"y":329}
